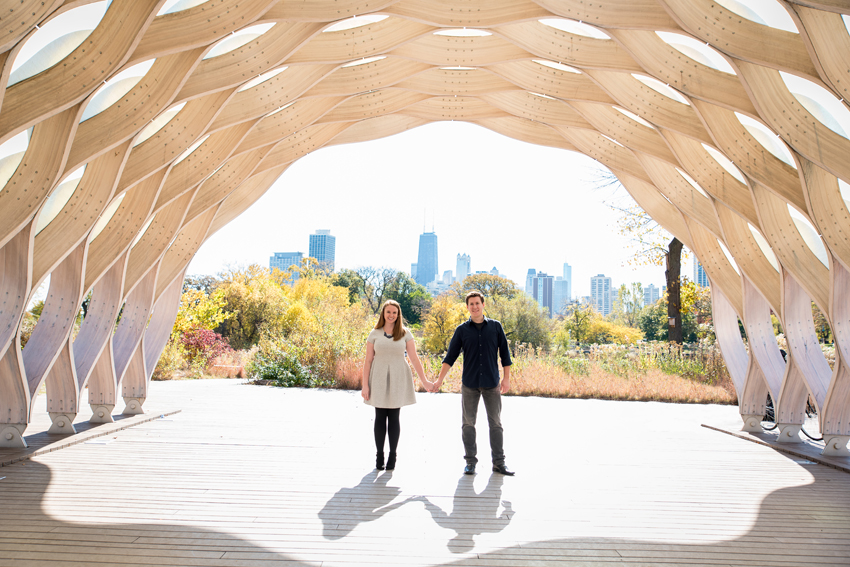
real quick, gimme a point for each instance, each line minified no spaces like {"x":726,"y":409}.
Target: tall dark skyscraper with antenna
{"x":426,"y":266}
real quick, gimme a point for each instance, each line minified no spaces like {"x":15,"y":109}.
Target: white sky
{"x":507,"y":203}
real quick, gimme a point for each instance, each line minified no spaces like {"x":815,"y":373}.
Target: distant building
{"x":529,"y":281}
{"x":464,"y":266}
{"x":600,"y":293}
{"x":413,"y":270}
{"x":700,"y":278}
{"x":568,"y":277}
{"x":541,"y":291}
{"x":447,"y":278}
{"x":494,"y":272}
{"x":426,"y":266}
{"x":323,"y":249}
{"x":283,"y":261}
{"x":560,"y":295}
{"x":650,"y":295}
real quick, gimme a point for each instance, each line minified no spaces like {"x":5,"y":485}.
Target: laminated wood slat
{"x":243,"y":64}
{"x":787,"y":242}
{"x":96,"y":331}
{"x":450,"y":51}
{"x":125,"y":118}
{"x":105,"y":50}
{"x":166,"y":145}
{"x":676,"y":69}
{"x":712,"y":177}
{"x":527,"y":131}
{"x":271,"y":95}
{"x":77,"y":218}
{"x":639,"y":14}
{"x":123,"y":227}
{"x":477,"y":14}
{"x":749,"y":155}
{"x":455,"y":108}
{"x":134,"y":319}
{"x":650,"y":105}
{"x":557,"y":83}
{"x":54,"y":327}
{"x":809,"y":372}
{"x":19,"y":17}
{"x":358,"y":43}
{"x":375,"y":128}
{"x":199,"y":26}
{"x":742,"y":38}
{"x":628,"y":132}
{"x":280,"y":125}
{"x":37,"y":173}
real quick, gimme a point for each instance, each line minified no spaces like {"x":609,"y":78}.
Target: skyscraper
{"x":529,"y":281}
{"x":700,"y":278}
{"x":650,"y":295}
{"x":541,"y":290}
{"x":600,"y":293}
{"x":568,"y":277}
{"x":426,"y":266}
{"x":560,"y":294}
{"x":323,"y":249}
{"x":464,"y":266}
{"x":284,"y":260}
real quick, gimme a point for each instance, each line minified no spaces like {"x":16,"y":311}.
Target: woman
{"x":387,"y":383}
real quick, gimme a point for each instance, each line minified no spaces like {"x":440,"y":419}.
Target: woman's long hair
{"x":398,"y":329}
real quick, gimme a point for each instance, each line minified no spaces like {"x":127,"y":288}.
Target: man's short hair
{"x":474,"y":293}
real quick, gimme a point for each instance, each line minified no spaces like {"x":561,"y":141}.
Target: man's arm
{"x":505,"y":355}
{"x":506,"y":380}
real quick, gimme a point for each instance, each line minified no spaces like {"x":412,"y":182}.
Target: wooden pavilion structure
{"x":127,"y":142}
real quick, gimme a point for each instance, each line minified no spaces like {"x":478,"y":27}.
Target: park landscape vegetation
{"x":308,"y":328}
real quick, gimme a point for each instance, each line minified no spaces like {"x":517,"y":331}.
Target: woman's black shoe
{"x":391,"y":461}
{"x":379,"y":461}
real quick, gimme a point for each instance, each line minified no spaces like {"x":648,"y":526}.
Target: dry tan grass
{"x":533,"y":376}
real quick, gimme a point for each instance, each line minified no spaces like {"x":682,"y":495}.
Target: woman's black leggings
{"x":387,"y":420}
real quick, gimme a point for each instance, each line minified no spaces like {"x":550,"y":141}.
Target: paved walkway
{"x":258,"y":476}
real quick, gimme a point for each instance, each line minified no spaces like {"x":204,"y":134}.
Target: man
{"x":482,"y":342}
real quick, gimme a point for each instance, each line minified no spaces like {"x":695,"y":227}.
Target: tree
{"x":205,"y":284}
{"x":258,"y":301}
{"x":523,"y":319}
{"x":375,"y":283}
{"x":413,"y":297}
{"x":650,"y":237}
{"x":495,"y":288}
{"x":353,"y":281}
{"x":577,"y":322}
{"x":630,"y":303}
{"x":440,"y":321}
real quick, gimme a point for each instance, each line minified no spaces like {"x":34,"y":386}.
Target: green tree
{"x":577,"y":322}
{"x":523,"y":319}
{"x":493,"y":288}
{"x":413,"y":297}
{"x":629,"y":304}
{"x":350,"y":279}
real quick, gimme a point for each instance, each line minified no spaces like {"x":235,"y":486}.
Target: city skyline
{"x":575,"y":226}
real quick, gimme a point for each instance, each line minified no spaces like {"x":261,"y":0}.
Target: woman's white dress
{"x":390,"y":379}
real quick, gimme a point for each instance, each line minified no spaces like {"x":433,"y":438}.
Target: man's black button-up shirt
{"x":480,"y":349}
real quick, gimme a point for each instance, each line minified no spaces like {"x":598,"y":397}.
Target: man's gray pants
{"x":493,"y":404}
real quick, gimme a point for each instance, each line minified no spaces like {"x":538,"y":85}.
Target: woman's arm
{"x":367,"y":368}
{"x":417,"y":365}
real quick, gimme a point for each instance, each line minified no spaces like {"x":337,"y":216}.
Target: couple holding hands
{"x":387,"y":383}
